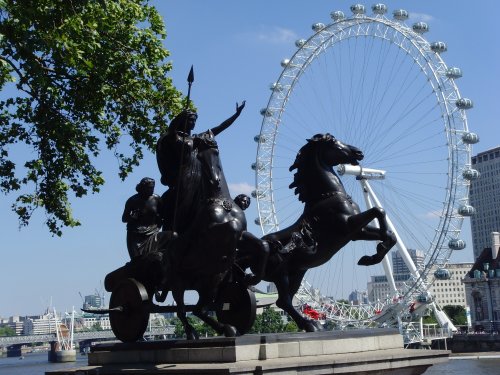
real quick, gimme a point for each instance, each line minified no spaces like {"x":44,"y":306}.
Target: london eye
{"x":373,"y":80}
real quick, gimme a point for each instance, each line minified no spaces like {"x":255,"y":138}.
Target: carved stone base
{"x":374,"y":351}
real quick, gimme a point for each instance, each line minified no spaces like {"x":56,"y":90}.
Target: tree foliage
{"x":203,"y":329}
{"x":270,"y":321}
{"x":88,"y":75}
{"x":7,"y":331}
{"x":456,"y":313}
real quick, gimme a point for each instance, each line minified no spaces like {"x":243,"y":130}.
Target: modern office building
{"x":378,"y":286}
{"x":399,"y":267}
{"x":379,"y":289}
{"x":357,"y":297}
{"x":93,"y":301}
{"x":485,"y":198}
{"x":39,"y":325}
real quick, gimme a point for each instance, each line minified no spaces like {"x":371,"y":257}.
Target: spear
{"x":190,"y":81}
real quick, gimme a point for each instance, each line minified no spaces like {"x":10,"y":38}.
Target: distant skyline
{"x":236,"y":49}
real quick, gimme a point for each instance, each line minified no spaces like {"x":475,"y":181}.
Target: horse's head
{"x":314,"y":164}
{"x":333,"y":152}
{"x":211,"y":168}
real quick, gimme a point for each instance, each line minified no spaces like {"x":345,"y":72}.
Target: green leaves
{"x":89,"y":75}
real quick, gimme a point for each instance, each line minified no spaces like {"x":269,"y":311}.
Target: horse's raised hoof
{"x":230,"y":331}
{"x":367,"y":261}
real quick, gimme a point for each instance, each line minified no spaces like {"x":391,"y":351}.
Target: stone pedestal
{"x":374,"y":351}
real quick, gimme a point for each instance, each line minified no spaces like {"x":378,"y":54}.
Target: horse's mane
{"x":303,"y":163}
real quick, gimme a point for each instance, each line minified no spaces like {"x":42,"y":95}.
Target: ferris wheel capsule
{"x":470,"y":174}
{"x":424,"y":298}
{"x":276,"y":87}
{"x":257,"y":194}
{"x":464,"y":103}
{"x":318,"y":26}
{"x":257,"y":166}
{"x":456,"y":244}
{"x":400,"y":15}
{"x":299,"y":43}
{"x":454,"y":73}
{"x":379,"y":8}
{"x":420,"y":27}
{"x":466,"y":210}
{"x":439,"y":47}
{"x":259,"y":139}
{"x":266,"y":112}
{"x":358,"y":9}
{"x":442,"y":274}
{"x":285,"y":62}
{"x":337,"y":15}
{"x":470,"y":138}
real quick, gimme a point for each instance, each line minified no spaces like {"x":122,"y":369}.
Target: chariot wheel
{"x":236,"y":306}
{"x":376,"y":83}
{"x":129,"y":315}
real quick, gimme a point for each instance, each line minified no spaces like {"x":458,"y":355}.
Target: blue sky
{"x":236,"y":48}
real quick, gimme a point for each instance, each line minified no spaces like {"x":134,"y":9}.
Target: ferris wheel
{"x":375,"y":83}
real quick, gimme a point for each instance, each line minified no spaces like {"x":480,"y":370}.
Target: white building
{"x":378,"y":286}
{"x":89,"y":321}
{"x":485,"y":198}
{"x":451,"y":291}
{"x":39,"y":325}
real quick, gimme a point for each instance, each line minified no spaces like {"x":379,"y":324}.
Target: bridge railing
{"x":30,"y":339}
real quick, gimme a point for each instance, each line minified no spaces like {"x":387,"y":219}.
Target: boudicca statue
{"x":196,"y":248}
{"x":195,"y":236}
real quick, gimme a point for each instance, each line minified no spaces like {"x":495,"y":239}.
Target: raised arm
{"x":227,"y":123}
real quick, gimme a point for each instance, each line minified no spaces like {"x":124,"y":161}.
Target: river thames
{"x":36,"y":363}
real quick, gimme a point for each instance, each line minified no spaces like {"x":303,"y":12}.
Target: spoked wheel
{"x":130,"y":319}
{"x":236,"y":306}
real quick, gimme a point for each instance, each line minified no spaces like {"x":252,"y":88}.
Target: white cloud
{"x":421,"y":17}
{"x":241,"y":188}
{"x":272,"y":35}
{"x":432,"y":215}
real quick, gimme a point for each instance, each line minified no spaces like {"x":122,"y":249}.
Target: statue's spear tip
{"x":191,"y":75}
{"x":190,"y":82}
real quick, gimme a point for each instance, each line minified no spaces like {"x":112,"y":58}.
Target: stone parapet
{"x":368,"y":351}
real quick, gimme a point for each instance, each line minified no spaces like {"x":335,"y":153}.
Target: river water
{"x":37,"y":364}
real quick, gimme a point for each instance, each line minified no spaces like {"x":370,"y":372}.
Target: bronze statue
{"x":205,"y":246}
{"x":330,"y":220}
{"x":176,"y":154}
{"x":203,"y":255}
{"x":251,"y":249}
{"x":142,"y":215}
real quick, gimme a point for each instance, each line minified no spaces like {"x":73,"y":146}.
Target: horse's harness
{"x":226,"y":204}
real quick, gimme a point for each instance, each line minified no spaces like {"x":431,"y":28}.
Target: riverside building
{"x":450,"y":290}
{"x":482,"y":288}
{"x":378,"y":286}
{"x":485,"y":198}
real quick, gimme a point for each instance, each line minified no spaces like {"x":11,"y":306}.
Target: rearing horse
{"x":330,"y":220}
